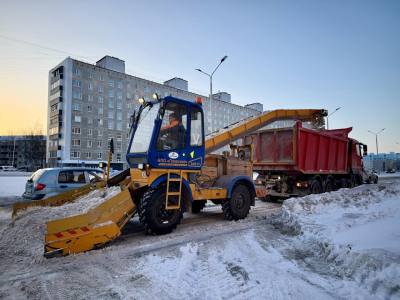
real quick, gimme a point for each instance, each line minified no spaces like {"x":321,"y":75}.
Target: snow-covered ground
{"x":341,"y":245}
{"x":11,"y":188}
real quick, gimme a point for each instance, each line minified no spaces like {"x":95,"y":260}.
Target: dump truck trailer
{"x":172,"y":170}
{"x":298,"y":161}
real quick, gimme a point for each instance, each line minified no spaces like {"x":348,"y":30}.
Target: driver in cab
{"x":173,"y":133}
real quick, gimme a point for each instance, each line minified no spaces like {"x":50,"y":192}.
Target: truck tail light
{"x":39,"y":186}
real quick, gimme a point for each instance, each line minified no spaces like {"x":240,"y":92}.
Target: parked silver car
{"x":49,"y":182}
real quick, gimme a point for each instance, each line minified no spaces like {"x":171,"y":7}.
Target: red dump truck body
{"x":301,"y":149}
{"x":298,"y":161}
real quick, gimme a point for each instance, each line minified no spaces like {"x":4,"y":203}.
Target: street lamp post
{"x":211,"y":93}
{"x":376,"y":138}
{"x":327,"y":117}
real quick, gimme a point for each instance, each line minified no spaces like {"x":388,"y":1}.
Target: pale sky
{"x":285,"y":54}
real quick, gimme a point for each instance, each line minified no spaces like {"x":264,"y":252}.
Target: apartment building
{"x":91,"y":103}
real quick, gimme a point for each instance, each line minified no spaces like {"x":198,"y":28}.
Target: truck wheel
{"x":344,"y":183}
{"x":353,"y":181}
{"x":328,"y":186}
{"x":197,"y":206}
{"x":316,"y":187}
{"x":238,"y":206}
{"x":153,"y":215}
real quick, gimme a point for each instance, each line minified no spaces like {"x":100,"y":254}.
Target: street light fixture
{"x":376,"y":137}
{"x":327,"y":117}
{"x":211,"y":93}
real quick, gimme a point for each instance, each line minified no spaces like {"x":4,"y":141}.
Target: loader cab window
{"x":172,"y":135}
{"x":196,"y":127}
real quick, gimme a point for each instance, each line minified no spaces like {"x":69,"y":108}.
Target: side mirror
{"x":365,"y":150}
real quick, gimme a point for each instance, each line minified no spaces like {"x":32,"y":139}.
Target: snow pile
{"x":351,"y":234}
{"x":22,"y":239}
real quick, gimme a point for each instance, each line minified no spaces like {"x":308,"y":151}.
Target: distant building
{"x":222,"y":96}
{"x":382,"y":162}
{"x":256,"y":106}
{"x":25,"y":152}
{"x":90,"y":104}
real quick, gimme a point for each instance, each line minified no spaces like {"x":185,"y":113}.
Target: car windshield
{"x":142,"y":135}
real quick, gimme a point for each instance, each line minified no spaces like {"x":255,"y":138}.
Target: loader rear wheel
{"x":153,"y":215}
{"x":197,"y":206}
{"x":238,"y":206}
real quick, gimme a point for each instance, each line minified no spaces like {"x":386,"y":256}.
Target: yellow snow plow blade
{"x":91,"y":230}
{"x":68,"y":196}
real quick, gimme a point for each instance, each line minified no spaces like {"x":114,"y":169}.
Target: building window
{"x":90,"y":98}
{"x":101,"y":99}
{"x":90,"y":75}
{"x":90,"y":86}
{"x":99,"y":144}
{"x":90,"y":121}
{"x":110,"y":124}
{"x":89,"y":108}
{"x":75,"y":154}
{"x":76,"y":94}
{"x":76,"y":142}
{"x":76,"y":71}
{"x":118,"y":157}
{"x":101,"y":77}
{"x":119,"y":125}
{"x":110,"y":114}
{"x":89,"y":144}
{"x":99,"y":155}
{"x":119,"y":105}
{"x":76,"y":106}
{"x":90,"y":131}
{"x":77,"y":119}
{"x":76,"y":130}
{"x":110,"y":93}
{"x":111,"y":83}
{"x":119,"y":115}
{"x":100,"y":122}
{"x":119,"y":145}
{"x":89,"y":155}
{"x":99,"y":133}
{"x":100,"y":110}
{"x":100,"y":89}
{"x":119,"y":95}
{"x":76,"y":83}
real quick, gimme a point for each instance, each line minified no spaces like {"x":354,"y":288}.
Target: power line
{"x":42,"y":47}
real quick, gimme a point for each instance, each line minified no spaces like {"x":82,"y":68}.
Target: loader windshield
{"x":142,"y":135}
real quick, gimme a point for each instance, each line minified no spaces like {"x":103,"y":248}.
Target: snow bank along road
{"x":339,"y":245}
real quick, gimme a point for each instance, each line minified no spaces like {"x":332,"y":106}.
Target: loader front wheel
{"x":238,"y":206}
{"x":153,"y":215}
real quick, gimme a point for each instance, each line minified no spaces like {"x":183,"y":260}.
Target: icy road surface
{"x":341,"y":245}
